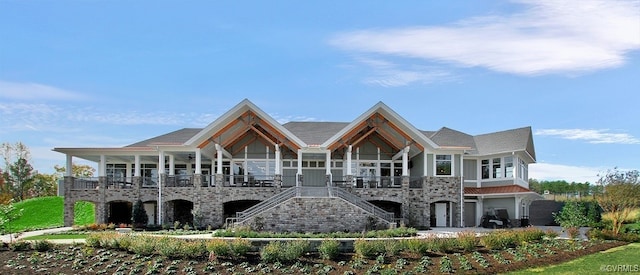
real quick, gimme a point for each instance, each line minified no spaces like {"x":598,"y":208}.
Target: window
{"x":508,"y":167}
{"x":443,"y":165}
{"x":496,"y":168}
{"x":523,"y":170}
{"x":485,"y":169}
{"x":116,"y":171}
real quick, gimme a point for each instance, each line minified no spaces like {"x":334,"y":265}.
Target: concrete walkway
{"x":441,"y":232}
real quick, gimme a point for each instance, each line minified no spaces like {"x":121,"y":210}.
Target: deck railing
{"x":85,"y":183}
{"x":119,"y":183}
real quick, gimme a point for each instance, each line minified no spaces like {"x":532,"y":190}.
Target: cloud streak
{"x":547,"y":37}
{"x":35,"y":91}
{"x":599,"y":136}
{"x":548,"y":171}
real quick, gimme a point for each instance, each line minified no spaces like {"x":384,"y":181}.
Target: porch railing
{"x":85,"y":183}
{"x":149,"y":182}
{"x":179,"y":181}
{"x":119,"y":183}
{"x":249,"y":180}
{"x":368,"y":182}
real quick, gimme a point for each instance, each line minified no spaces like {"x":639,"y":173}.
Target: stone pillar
{"x":219,"y":181}
{"x":405,"y":200}
{"x":69,"y":202}
{"x":101,"y":206}
{"x":277,"y":182}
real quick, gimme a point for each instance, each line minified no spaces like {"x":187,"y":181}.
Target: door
{"x":441,"y":214}
{"x":469,"y":214}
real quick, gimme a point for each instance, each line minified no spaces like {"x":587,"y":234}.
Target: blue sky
{"x":111,"y":73}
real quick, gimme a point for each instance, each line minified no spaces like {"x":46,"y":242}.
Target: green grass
{"x":47,"y":212}
{"x":57,"y":237}
{"x":605,"y":261}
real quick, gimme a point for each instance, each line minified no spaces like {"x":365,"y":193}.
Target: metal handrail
{"x":266,"y":204}
{"x":365,"y":205}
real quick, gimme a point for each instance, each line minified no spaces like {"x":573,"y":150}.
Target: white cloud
{"x":548,"y":171}
{"x":590,"y":135}
{"x":388,"y":74}
{"x":548,"y":36}
{"x":35,"y":91}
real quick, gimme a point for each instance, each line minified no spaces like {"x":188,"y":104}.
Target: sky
{"x":111,"y":73}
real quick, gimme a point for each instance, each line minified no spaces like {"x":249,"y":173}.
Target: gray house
{"x":246,"y":168}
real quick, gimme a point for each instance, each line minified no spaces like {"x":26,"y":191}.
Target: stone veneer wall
{"x":313,"y":215}
{"x":209,"y":202}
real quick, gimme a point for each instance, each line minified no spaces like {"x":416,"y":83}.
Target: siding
{"x":470,"y":169}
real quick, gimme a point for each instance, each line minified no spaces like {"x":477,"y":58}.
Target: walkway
{"x":440,"y":232}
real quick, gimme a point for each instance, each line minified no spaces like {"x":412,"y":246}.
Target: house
{"x":246,"y":168}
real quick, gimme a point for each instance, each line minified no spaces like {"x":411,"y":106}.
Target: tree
{"x":620,"y":196}
{"x":43,"y":185}
{"x":139,"y":218}
{"x":8,"y":213}
{"x":77,"y":170}
{"x":18,"y":173}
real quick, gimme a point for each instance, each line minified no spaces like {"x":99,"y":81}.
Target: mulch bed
{"x":79,"y":259}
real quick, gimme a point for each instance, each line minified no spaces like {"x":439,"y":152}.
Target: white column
{"x":328,"y":162}
{"x":518,"y":201}
{"x":219,"y":156}
{"x":128,"y":170}
{"x":405,"y":161}
{"x":160,"y":173}
{"x":172,"y":165}
{"x":136,"y":161}
{"x":300,"y":162}
{"x":198,"y":161}
{"x":267,"y":162}
{"x":461,"y":189}
{"x":69,"y":171}
{"x":349,"y":173}
{"x":160,"y":163}
{"x":102,"y":167}
{"x":277,"y":168}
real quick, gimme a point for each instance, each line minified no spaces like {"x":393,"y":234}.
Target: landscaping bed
{"x":84,"y":259}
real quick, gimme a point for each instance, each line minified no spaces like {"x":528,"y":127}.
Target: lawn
{"x":47,"y":212}
{"x":623,"y":258}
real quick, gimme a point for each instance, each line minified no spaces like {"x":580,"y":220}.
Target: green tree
{"x":620,"y":196}
{"x":77,"y":170}
{"x":8,"y":213}
{"x":573,"y":214}
{"x":18,"y":173}
{"x":139,"y":218}
{"x":44,"y":185}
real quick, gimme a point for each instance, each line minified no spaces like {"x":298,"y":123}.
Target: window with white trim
{"x":508,"y":167}
{"x":485,"y":169}
{"x":524,"y":170}
{"x":443,"y":165}
{"x":496,"y":168}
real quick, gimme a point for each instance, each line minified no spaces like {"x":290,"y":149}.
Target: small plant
{"x":329,"y":249}
{"x":446,"y":265}
{"x":19,"y":245}
{"x":368,"y":249}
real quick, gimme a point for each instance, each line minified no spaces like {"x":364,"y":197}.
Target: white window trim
{"x":435,"y":165}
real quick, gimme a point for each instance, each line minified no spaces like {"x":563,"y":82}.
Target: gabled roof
{"x":446,"y":137}
{"x":520,"y":139}
{"x":315,"y":133}
{"x":231,"y":115}
{"x":384,"y":110}
{"x":178,"y":137}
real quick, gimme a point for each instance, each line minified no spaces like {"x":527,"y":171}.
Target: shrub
{"x":468,"y":240}
{"x":329,"y":249}
{"x":170,"y":247}
{"x":368,"y":249}
{"x":392,"y":247}
{"x":529,"y":234}
{"x":283,"y":251}
{"x":416,"y":246}
{"x":43,"y":245}
{"x":218,"y":248}
{"x":139,"y":216}
{"x":240,"y":247}
{"x":499,"y":239}
{"x":441,"y":245}
{"x":19,"y":245}
{"x":194,"y":249}
{"x":143,"y":245}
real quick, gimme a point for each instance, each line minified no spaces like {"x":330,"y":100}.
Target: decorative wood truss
{"x":379,"y":131}
{"x":246,"y":129}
